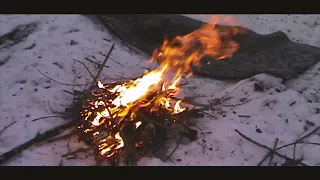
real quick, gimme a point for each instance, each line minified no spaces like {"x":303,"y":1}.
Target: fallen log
{"x":40,"y":137}
{"x":272,"y":53}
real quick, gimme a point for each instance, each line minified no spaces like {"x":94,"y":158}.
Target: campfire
{"x":131,"y":119}
{"x":121,"y":118}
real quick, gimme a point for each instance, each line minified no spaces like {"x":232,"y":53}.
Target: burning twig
{"x":6,"y":127}
{"x":266,"y":147}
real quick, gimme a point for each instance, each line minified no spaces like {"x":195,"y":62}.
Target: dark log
{"x":40,"y":137}
{"x":272,"y":53}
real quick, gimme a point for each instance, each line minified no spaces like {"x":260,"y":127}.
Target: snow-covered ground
{"x":280,"y":111}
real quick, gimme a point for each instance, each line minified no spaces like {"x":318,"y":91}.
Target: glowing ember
{"x":154,"y":91}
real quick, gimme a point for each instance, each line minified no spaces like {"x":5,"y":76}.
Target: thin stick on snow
{"x":309,"y":134}
{"x":6,"y":127}
{"x":266,"y":147}
{"x":233,"y":105}
{"x":299,"y":141}
{"x":273,"y":150}
{"x":103,"y":64}
{"x":46,"y":117}
{"x":95,"y":62}
{"x":76,"y":152}
{"x":67,"y":84}
{"x":233,"y":90}
{"x":61,"y":137}
{"x":178,"y":143}
{"x":84,"y":67}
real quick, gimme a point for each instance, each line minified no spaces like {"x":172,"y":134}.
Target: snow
{"x":281,"y":111}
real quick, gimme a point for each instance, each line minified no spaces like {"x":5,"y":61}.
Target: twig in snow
{"x":96,"y":63}
{"x":76,"y":152}
{"x":209,"y":114}
{"x":100,"y":70}
{"x":61,"y":137}
{"x":299,"y":141}
{"x":6,"y":127}
{"x":272,"y":153}
{"x":84,"y":67}
{"x":309,"y":134}
{"x":266,"y":147}
{"x":121,"y":77}
{"x":244,"y":116}
{"x":232,"y":90}
{"x":37,"y":119}
{"x":291,"y":104}
{"x":295,"y":145}
{"x":233,"y":105}
{"x":178,"y":143}
{"x":204,"y":136}
{"x":67,"y":84}
{"x":112,"y":59}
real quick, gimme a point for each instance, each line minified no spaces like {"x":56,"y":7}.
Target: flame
{"x":138,"y":124}
{"x":176,"y":58}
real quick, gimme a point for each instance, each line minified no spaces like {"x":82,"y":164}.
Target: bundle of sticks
{"x":142,"y":130}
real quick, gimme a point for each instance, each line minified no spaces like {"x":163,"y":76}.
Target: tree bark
{"x":272,"y":53}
